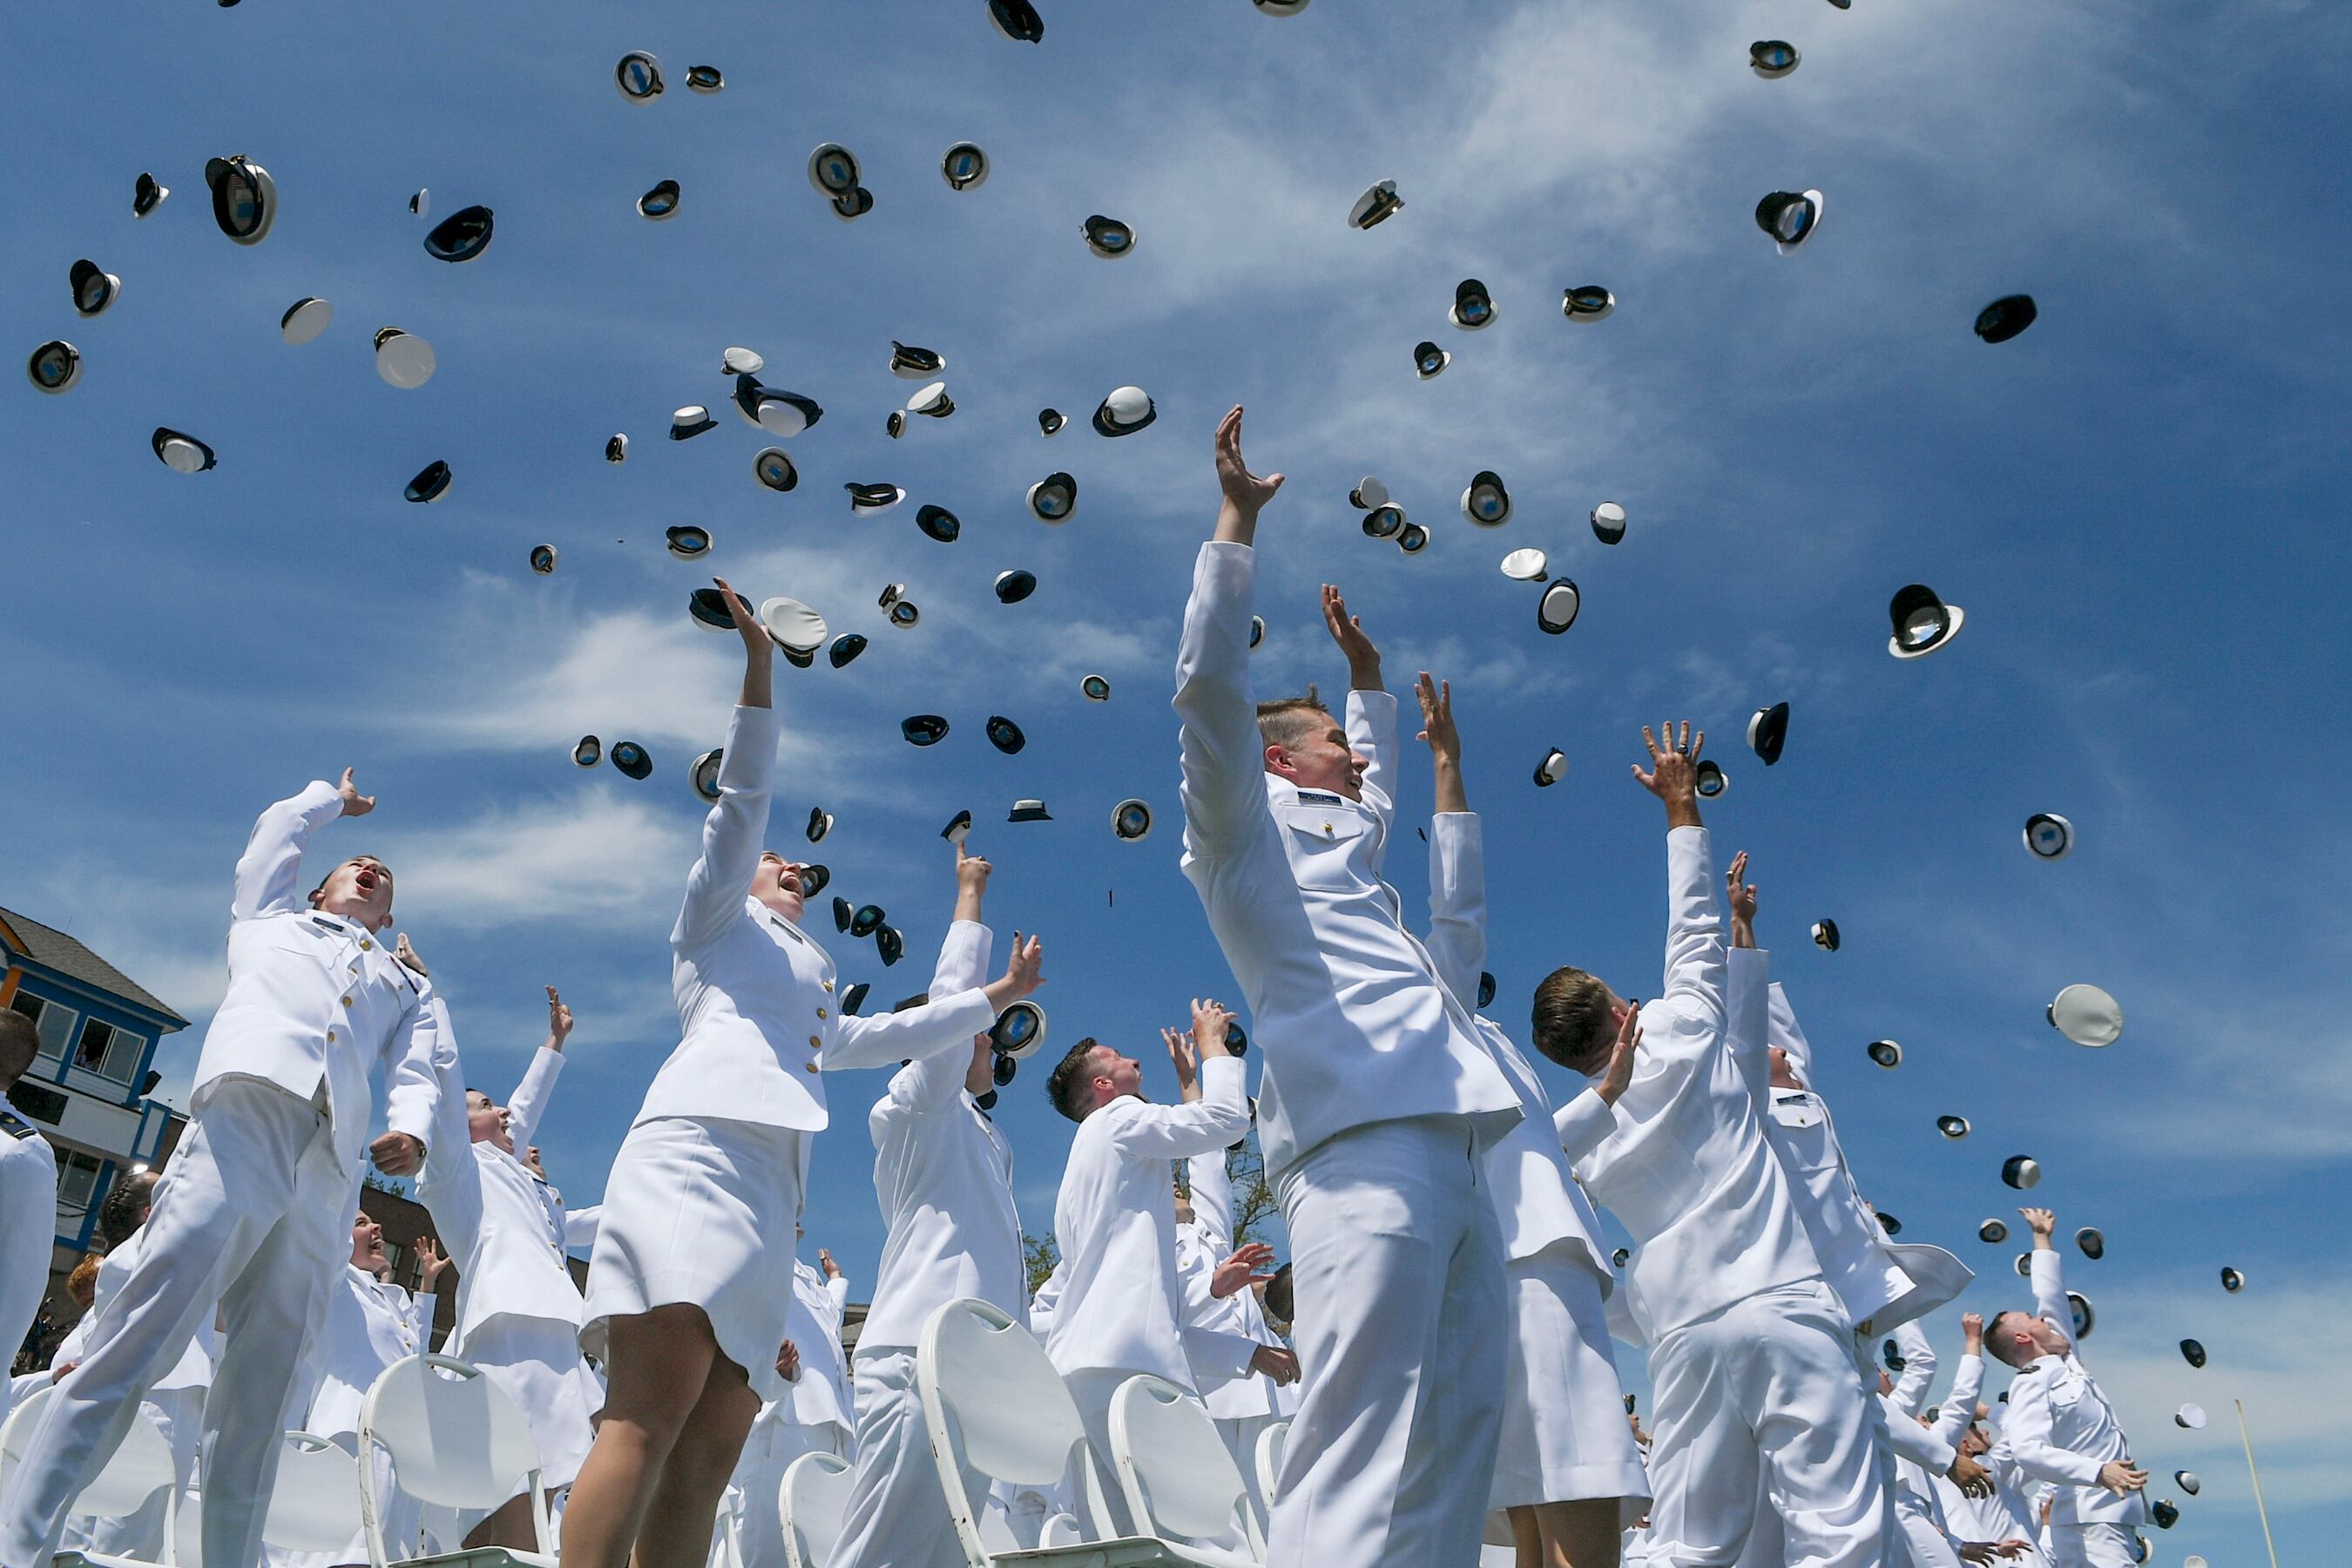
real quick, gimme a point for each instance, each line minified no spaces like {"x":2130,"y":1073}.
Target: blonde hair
{"x":1291,"y":722}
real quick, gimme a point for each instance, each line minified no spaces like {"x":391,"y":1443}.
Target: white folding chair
{"x":992,"y":1400}
{"x":1061,"y":1530}
{"x":1179,"y":1477}
{"x":139,"y":1466}
{"x":315,"y":1505}
{"x":1269,"y":1461}
{"x":813,"y":1501}
{"x":455,"y":1439}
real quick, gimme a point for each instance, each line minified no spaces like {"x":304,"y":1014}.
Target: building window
{"x":55,"y":1023}
{"x":77,"y":1179}
{"x":107,"y":1051}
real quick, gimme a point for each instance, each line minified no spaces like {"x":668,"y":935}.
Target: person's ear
{"x":1277,"y":760}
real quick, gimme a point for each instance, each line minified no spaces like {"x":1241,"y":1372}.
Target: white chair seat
{"x":813,"y":1503}
{"x":481,"y":1557}
{"x":1124,"y":1552}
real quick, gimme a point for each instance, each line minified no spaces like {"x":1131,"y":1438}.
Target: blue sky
{"x":2138,"y":503}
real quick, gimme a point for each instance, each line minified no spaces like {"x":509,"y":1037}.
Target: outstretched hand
{"x":971,"y":870}
{"x":1211,"y":1022}
{"x":2042,"y":1222}
{"x":1437,"y":728}
{"x":1618,"y":1076}
{"x":1185,"y":1059}
{"x":1025,"y":971}
{"x":1347,"y":631}
{"x":1739,"y":895}
{"x":354,"y":803}
{"x":407,"y":955}
{"x":1240,"y":1271}
{"x":1244,"y":492}
{"x":559,"y":1021}
{"x":1672,"y":777}
{"x":758,"y":649}
{"x":397,"y":1155}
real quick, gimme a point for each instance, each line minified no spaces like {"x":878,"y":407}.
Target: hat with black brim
{"x":54,"y":367}
{"x":686,"y":423}
{"x":938,"y":522}
{"x":1029,"y":811}
{"x":1053,"y":499}
{"x":1923,"y":623}
{"x":403,"y":359}
{"x":894,"y":603}
{"x":542,"y":559}
{"x":2086,"y":1015}
{"x":2021,"y":1170}
{"x":794,"y":627}
{"x":1886,"y":1053}
{"x":2049,"y":836}
{"x":687,"y":540}
{"x":964,"y":166}
{"x":872,"y":499}
{"x":1525,"y":566}
{"x":1557,"y":610}
{"x":833,"y":171}
{"x":910,"y":364}
{"x":820,"y":822}
{"x":461,"y":237}
{"x":1993,"y":1232}
{"x":772,"y":409}
{"x":1004,"y":734}
{"x":1014,"y":585}
{"x":2093,"y":1242}
{"x":1588,"y":303}
{"x":1412,"y":539}
{"x":431,"y":483}
{"x":705,"y":80}
{"x":633,"y":760}
{"x":93,"y":288}
{"x":1772,"y":58}
{"x":1125,"y":411}
{"x":772,"y":466}
{"x":1708,"y":779}
{"x":1825,"y":935}
{"x":923,"y":728}
{"x":1385,"y":520}
{"x":180,"y":452}
{"x":1791,"y":217}
{"x":245,"y":198}
{"x":638,"y":76}
{"x":588,"y":753}
{"x":616,"y":447}
{"x":305,"y":319}
{"x":1474,"y":307}
{"x":146,"y":195}
{"x":1768,"y":731}
{"x":1094,"y":688}
{"x":845,"y":647}
{"x":932,"y":402}
{"x":1108,"y":237}
{"x":1379,"y":202}
{"x":661,"y":204}
{"x":1017,"y":20}
{"x":1050,"y":421}
{"x":1018,"y":1031}
{"x":1485,"y":501}
{"x":704,"y":774}
{"x":1429,"y":360}
{"x":709,"y":608}
{"x":2006,"y":317}
{"x":1609,"y":522}
{"x":958,"y":827}
{"x":1130,"y":820}
{"x":1553,"y":769}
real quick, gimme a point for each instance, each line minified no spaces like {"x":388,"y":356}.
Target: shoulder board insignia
{"x":14,"y":1125}
{"x":1321,"y":797}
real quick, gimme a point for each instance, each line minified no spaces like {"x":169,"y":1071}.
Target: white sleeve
{"x":1960,"y":1405}
{"x":1695,"y":951}
{"x":1918,"y":1372}
{"x":1781,"y":1030}
{"x":1223,"y":780}
{"x":532,"y":1095}
{"x":1371,"y":726}
{"x":1747,"y":1017}
{"x":932,"y":1083}
{"x":270,"y":872}
{"x":1457,"y":902}
{"x":1212,"y":1201}
{"x":1914,"y":1442}
{"x":1146,"y":1131}
{"x":732,"y":832}
{"x":2050,"y":1290}
{"x":580,"y":1226}
{"x":2028,"y":1432}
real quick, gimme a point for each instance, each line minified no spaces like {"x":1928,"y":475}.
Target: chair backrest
{"x":1061,"y":1530}
{"x":316,"y":1505}
{"x":454,"y":1439}
{"x":139,"y":1466}
{"x":1270,"y":1443}
{"x":996,"y":1532}
{"x":814,"y":1501}
{"x":992,"y":1400}
{"x":1178,"y":1477}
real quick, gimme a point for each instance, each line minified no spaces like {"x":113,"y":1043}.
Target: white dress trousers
{"x":1397,"y":1272}
{"x":28,"y":1209}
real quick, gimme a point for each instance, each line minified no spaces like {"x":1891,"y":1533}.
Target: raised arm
{"x":1747,"y":978}
{"x":1371,"y":716}
{"x":932,"y":1083}
{"x":270,"y":872}
{"x":1224,"y":786}
{"x":731,"y":834}
{"x":1695,"y":949}
{"x":423,"y":1079}
{"x":940,"y":1025}
{"x":2049,"y":1274}
{"x":1213,"y":1199}
{"x":531,"y":1096}
{"x":2027,"y":1430}
{"x":1959,"y":1407}
{"x":1215,"y":1121}
{"x":450,"y":1183}
{"x":1780,"y":1029}
{"x":1457,"y":859}
{"x":1919,"y":1363}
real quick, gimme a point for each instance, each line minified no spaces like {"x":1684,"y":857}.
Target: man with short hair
{"x":2060,"y":1428}
{"x":253,"y":1215}
{"x":1751,"y":1357}
{"x":1121,"y":1310}
{"x":1377,"y":1100}
{"x":28,"y":1196}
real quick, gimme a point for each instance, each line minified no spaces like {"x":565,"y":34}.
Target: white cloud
{"x":591,"y":858}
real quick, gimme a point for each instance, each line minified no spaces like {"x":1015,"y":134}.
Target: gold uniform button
{"x":828,"y":985}
{"x":1327,"y":832}
{"x":365,"y":944}
{"x":330,"y":1036}
{"x":815,"y":1041}
{"x":813,"y":1066}
{"x":347,"y":1001}
{"x":820,"y":1012}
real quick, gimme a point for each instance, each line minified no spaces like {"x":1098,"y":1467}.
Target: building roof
{"x":53,"y":949}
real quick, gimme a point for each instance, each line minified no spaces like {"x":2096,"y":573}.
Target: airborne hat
{"x":958,"y":827}
{"x":633,"y":761}
{"x":2189,"y":1416}
{"x":1708,"y":779}
{"x":923,"y":730}
{"x":2086,"y":1015}
{"x":1486,"y":502}
{"x":688,"y":422}
{"x":1384,"y":521}
{"x":841,"y":913}
{"x":1429,"y":360}
{"x":869,"y":499}
{"x":1886,"y":1053}
{"x":2049,"y":836}
{"x":403,"y":359}
{"x":797,"y":629}
{"x":931,"y":402}
{"x":2093,"y":1242}
{"x":146,"y":196}
{"x":1375,"y":206}
{"x":1825,"y":935}
{"x":910,"y":364}
{"x":772,"y":409}
{"x":964,"y":166}
{"x":638,"y":76}
{"x":704,"y":80}
{"x":1588,"y":303}
{"x":820,"y":822}
{"x":1993,"y":1231}
{"x":1126,"y":410}
{"x":1050,"y":421}
{"x":421,"y":203}
{"x":588,"y":753}
{"x":659,"y":203}
{"x":741,"y":362}
{"x":902,"y":611}
{"x":1789,"y":217}
{"x":1368,"y":495}
{"x":704,"y":774}
{"x":1017,"y":20}
{"x":93,"y":289}
{"x":1412,"y":539}
{"x":1108,"y":237}
{"x":2085,"y":1317}
{"x":2164,"y":1513}
{"x":1018,"y":1031}
{"x":1609,"y":522}
{"x":2233,"y":1280}
{"x":2187,"y":1481}
{"x":616,"y":449}
{"x":1553,"y":769}
{"x":1014,"y":585}
{"x":1923,"y":623}
{"x":938,"y":522}
{"x":845,"y":647}
{"x":1772,"y":58}
{"x":1954,"y":1127}
{"x":2006,"y":317}
{"x":1004,"y":734}
{"x":542,"y":559}
{"x":687,"y":540}
{"x":709,"y":608}
{"x":1030,"y":811}
{"x":1557,"y":610}
{"x":245,"y":198}
{"x":853,"y":206}
{"x":54,"y":367}
{"x":2021,"y":1170}
{"x":833,"y":171}
{"x":1130,"y":820}
{"x":305,"y":319}
{"x":1473,"y":307}
{"x":1768,"y":731}
{"x":870,"y":918}
{"x":1094,"y":688}
{"x":431,"y":483}
{"x":1525,"y":566}
{"x":1053,"y":499}
{"x":181,"y":452}
{"x":461,"y":237}
{"x":772,"y":466}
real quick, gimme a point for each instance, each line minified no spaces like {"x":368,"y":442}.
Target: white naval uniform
{"x":1750,"y":1351}
{"x":943,"y":1176}
{"x":1243,"y":1406}
{"x":517,"y":1309}
{"x":703,"y":1196}
{"x":813,"y":1415}
{"x":29,"y":1222}
{"x":1376,"y":1101}
{"x":2004,"y":1516}
{"x":369,"y":1325}
{"x":1564,"y":1437}
{"x":1121,"y":1310}
{"x":253,"y":1215}
{"x":176,"y":1404}
{"x":1919,"y":1507}
{"x":2060,"y":1429}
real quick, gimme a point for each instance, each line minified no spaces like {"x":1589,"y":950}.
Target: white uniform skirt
{"x":701,"y":1209}
{"x":535,"y":1361}
{"x":1564,"y":1434}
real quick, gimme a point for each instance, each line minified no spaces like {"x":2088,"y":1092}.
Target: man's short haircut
{"x":1291,"y":722}
{"x":1572,"y":1020}
{"x":1071,"y":1086}
{"x":20,"y":1042}
{"x":2000,"y":1347}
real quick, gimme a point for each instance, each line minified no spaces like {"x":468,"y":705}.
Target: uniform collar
{"x":1280,"y":791}
{"x":762,"y":912}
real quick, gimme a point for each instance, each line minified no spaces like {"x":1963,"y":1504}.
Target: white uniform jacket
{"x":1115,"y":1221}
{"x":314,"y":999}
{"x":1535,"y":1192}
{"x":1687,"y":1168}
{"x":2060,"y":1428}
{"x":821,"y":1395}
{"x":510,"y":1259}
{"x":369,"y":1325}
{"x":755,"y":994}
{"x":1356,"y":1025}
{"x":1253,"y":1393}
{"x":28,"y":1227}
{"x":943,"y":1175}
